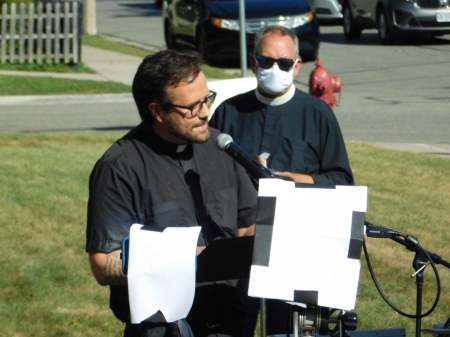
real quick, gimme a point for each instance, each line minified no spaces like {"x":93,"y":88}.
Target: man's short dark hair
{"x":283,"y":31}
{"x":157,"y":72}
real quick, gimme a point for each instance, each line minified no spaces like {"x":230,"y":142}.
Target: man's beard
{"x":189,"y":135}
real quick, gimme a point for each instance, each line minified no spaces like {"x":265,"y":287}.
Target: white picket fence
{"x":40,"y":32}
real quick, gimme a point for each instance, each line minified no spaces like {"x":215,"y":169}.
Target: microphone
{"x":380,"y":232}
{"x":256,"y":170}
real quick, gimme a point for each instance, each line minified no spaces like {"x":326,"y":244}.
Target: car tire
{"x":309,"y":54}
{"x":384,"y":27}
{"x":351,"y":28}
{"x":169,"y":37}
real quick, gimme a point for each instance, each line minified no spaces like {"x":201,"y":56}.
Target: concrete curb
{"x":68,"y":76}
{"x":64,"y":99}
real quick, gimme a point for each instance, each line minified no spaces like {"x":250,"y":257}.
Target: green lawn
{"x":46,"y":288}
{"x":20,"y":85}
{"x":103,"y":42}
{"x":55,"y":68}
{"x":28,"y":85}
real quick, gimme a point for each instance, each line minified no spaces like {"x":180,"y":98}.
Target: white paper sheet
{"x":310,"y":244}
{"x":161,"y":272}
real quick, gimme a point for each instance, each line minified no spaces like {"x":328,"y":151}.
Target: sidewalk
{"x":111,"y":66}
{"x":108,"y":65}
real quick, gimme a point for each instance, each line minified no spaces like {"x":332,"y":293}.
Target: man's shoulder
{"x":123,"y":152}
{"x":307,"y":97}
{"x":232,"y":107}
{"x":307,"y":100}
{"x":238,"y":99}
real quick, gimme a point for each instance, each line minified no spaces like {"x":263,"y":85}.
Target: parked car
{"x":393,"y":18}
{"x":327,"y":10}
{"x":212,"y":26}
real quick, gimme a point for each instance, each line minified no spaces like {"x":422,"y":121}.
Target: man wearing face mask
{"x":293,"y":133}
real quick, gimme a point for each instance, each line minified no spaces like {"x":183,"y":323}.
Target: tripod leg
{"x":262,"y":318}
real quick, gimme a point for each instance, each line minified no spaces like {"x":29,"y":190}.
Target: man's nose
{"x":204,"y":111}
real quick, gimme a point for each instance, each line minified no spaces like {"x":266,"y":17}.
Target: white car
{"x":327,"y":9}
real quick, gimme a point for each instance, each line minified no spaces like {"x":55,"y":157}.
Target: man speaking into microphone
{"x":166,"y":172}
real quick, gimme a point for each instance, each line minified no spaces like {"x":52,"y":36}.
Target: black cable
{"x":383,"y":295}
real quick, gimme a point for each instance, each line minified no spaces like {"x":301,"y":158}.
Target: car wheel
{"x":202,"y":45}
{"x":351,"y":29}
{"x":169,"y":36}
{"x":384,"y":26}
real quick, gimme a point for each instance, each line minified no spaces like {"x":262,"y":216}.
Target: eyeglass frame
{"x":208,"y":100}
{"x":277,"y":61}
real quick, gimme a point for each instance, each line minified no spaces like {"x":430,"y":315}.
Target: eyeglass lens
{"x":208,"y":100}
{"x":195,"y":108}
{"x":266,"y":62}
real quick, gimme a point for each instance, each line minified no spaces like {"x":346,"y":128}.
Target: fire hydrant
{"x":324,"y":85}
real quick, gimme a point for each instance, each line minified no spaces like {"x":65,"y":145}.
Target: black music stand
{"x":225,"y":259}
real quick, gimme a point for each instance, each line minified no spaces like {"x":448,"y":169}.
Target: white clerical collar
{"x":180,"y":148}
{"x":276,"y":100}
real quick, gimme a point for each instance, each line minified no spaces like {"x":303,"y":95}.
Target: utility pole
{"x":243,"y":38}
{"x":89,"y":17}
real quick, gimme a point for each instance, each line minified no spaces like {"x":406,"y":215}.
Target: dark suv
{"x":394,"y":18}
{"x":212,"y":26}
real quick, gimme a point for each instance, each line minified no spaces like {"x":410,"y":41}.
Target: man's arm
{"x":247,"y":231}
{"x":297,"y":177}
{"x":107,"y":268}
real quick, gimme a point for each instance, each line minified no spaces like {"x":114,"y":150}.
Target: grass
{"x":56,"y":68}
{"x":28,"y":85}
{"x":46,"y":288}
{"x":102,"y":42}
{"x":20,"y":85}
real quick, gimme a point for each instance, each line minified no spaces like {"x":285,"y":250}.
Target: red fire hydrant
{"x":324,"y":85}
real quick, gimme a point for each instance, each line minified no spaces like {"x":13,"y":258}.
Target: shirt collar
{"x":286,"y":97}
{"x":161,"y":145}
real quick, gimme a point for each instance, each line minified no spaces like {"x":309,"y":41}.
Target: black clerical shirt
{"x":301,"y":135}
{"x":144,"y":179}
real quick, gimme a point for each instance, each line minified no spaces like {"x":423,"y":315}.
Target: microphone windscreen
{"x":223,"y":140}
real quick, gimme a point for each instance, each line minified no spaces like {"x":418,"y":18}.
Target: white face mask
{"x":274,"y":81}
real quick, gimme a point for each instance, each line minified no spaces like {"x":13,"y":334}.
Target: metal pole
{"x":263,"y":316}
{"x":243,"y":38}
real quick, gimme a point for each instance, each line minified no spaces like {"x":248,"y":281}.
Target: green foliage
{"x":16,"y":1}
{"x":102,"y":42}
{"x":46,"y":288}
{"x":410,"y":192}
{"x":55,"y":68}
{"x":22,"y":85}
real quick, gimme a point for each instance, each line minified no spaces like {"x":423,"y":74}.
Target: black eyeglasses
{"x":192,"y":110}
{"x":266,"y":62}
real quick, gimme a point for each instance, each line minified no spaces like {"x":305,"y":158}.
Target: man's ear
{"x":297,"y":67}
{"x":155,"y":110}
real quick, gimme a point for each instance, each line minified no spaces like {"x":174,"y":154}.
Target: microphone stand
{"x":422,"y":259}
